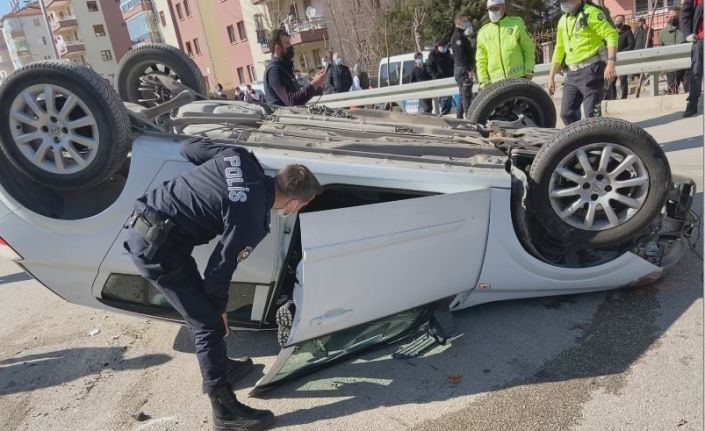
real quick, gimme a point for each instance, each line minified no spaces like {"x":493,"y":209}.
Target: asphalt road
{"x":622,"y":360}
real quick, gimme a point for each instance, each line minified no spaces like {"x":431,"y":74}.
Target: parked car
{"x":415,"y":210}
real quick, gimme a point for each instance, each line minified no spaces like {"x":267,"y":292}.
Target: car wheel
{"x":143,"y":71}
{"x":507,"y":100}
{"x":600,"y":182}
{"x":63,"y":125}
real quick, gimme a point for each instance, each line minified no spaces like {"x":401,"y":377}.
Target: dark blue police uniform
{"x":227,"y":194}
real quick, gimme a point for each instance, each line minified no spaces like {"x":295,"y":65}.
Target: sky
{"x":4,"y":7}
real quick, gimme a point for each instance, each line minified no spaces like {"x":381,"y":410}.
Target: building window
{"x":44,"y":40}
{"x":179,"y":13}
{"x":162,"y":18}
{"x":106,"y":55}
{"x":46,"y":57}
{"x":187,"y":8}
{"x":36,"y":22}
{"x":196,"y":46}
{"x":241,"y":30}
{"x":61,"y":14}
{"x":99,"y":30}
{"x":189,"y":51}
{"x":316,"y":57}
{"x":231,"y":34}
{"x":251,"y":73}
{"x":92,"y":7}
{"x":241,"y":75}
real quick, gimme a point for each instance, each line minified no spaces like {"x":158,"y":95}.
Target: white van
{"x":396,"y":70}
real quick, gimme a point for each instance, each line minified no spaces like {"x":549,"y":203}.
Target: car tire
{"x":570,"y":201}
{"x":46,"y":142}
{"x":173,"y":62}
{"x":502,"y":101}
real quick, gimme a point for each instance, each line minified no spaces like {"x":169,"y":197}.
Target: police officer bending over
{"x":583,"y":32}
{"x":226,"y":195}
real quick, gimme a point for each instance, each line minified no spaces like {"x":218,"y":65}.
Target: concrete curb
{"x":668,"y":102}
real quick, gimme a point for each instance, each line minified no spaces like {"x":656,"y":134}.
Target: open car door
{"x":368,"y":272}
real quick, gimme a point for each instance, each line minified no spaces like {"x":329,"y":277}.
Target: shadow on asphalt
{"x":505,"y":344}
{"x":14,"y":278}
{"x":44,"y":370}
{"x":663,"y":119}
{"x":683,"y":144}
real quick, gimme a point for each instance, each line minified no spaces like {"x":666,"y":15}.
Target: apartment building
{"x":26,"y":36}
{"x":6,"y":66}
{"x":167,"y":26}
{"x":141,"y":21}
{"x":214,"y":34}
{"x":88,"y":32}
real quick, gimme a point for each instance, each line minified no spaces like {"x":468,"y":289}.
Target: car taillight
{"x":7,"y":252}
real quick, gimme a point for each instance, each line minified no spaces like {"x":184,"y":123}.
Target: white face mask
{"x":494,"y":15}
{"x":569,"y":7}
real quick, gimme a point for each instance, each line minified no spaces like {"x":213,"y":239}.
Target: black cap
{"x":442,"y":41}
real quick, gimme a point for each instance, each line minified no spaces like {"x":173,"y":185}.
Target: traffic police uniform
{"x":581,"y":46}
{"x":227,"y":194}
{"x":505,"y":50}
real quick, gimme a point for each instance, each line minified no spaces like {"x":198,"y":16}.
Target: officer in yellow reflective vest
{"x":505,"y":49}
{"x":587,"y":45}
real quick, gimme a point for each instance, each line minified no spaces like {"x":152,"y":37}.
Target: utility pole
{"x":54,"y":51}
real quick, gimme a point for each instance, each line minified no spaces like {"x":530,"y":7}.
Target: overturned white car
{"x":415,"y":209}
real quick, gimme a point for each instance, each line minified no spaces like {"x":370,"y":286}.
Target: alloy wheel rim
{"x":54,"y":129}
{"x":598,"y":187}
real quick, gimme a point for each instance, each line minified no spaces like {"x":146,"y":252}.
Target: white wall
{"x":94,"y":45}
{"x":168,"y":32}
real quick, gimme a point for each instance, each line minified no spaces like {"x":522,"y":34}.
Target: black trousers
{"x":696,"y":72}
{"x":675,"y":79}
{"x":446,"y":104}
{"x":624,"y":88}
{"x":587,"y":87}
{"x":464,"y":90}
{"x":174,"y":273}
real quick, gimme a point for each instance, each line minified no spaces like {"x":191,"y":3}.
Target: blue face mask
{"x":338,"y":61}
{"x":443,"y":49}
{"x":419,"y":61}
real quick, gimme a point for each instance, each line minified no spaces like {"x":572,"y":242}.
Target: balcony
{"x":140,"y":5}
{"x":71,"y":48}
{"x":306,"y":31}
{"x":16,"y":33}
{"x":51,"y":5}
{"x":263,"y":40}
{"x":66,"y":23}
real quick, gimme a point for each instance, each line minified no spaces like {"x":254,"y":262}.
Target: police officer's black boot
{"x":238,"y":368}
{"x":691,"y":110}
{"x":229,"y":414}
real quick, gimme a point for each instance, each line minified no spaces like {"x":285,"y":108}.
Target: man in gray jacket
{"x":672,"y":35}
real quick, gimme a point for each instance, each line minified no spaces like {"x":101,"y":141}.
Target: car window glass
{"x":383,"y":75}
{"x":394,"y":73}
{"x":408,"y":67}
{"x":311,"y":354}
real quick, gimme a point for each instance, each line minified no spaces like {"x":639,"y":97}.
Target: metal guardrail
{"x":648,"y":61}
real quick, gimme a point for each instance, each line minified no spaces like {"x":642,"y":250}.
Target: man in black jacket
{"x":420,"y":74}
{"x":626,"y":43}
{"x":440,"y":65}
{"x":464,"y":70}
{"x":692,"y":27}
{"x":643,"y":38}
{"x":339,"y":79}
{"x":280,"y":85}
